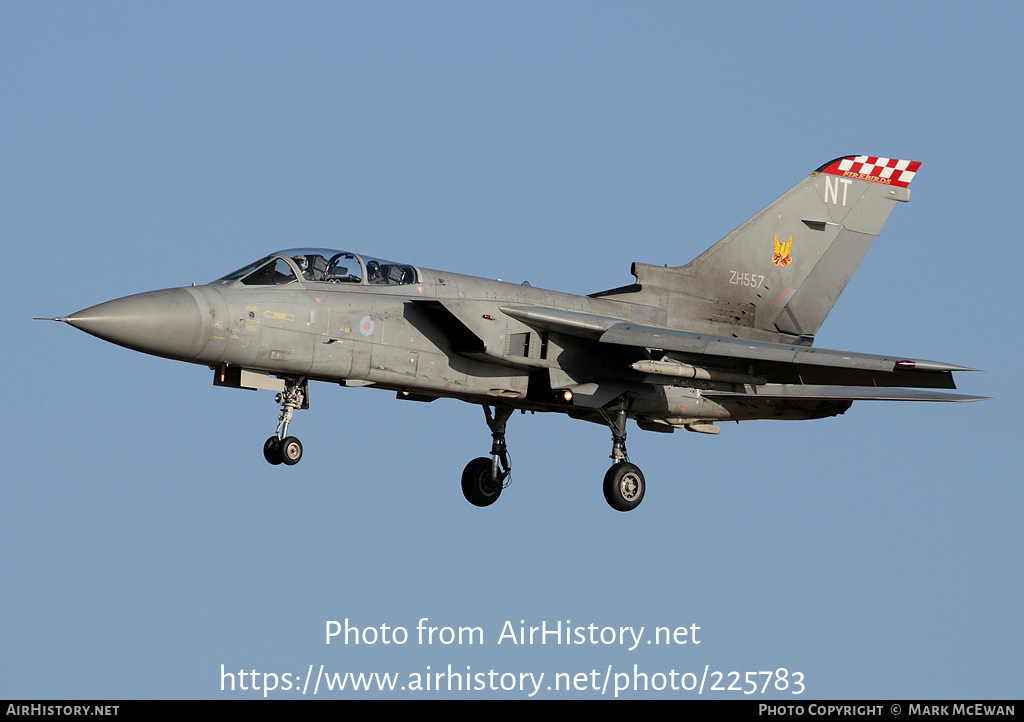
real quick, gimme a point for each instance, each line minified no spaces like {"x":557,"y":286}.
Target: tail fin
{"x":783,"y":270}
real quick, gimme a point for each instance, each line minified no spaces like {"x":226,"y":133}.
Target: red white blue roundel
{"x":366,"y":325}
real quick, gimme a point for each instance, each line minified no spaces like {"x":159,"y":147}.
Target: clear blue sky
{"x":145,"y":541}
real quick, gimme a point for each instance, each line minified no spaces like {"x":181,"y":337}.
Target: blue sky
{"x":145,"y":540}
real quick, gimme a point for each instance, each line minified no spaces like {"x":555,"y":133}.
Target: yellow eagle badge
{"x":783,"y":252}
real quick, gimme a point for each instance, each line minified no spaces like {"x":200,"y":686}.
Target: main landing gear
{"x":281,"y":448}
{"x":484,"y":478}
{"x":624,"y":485}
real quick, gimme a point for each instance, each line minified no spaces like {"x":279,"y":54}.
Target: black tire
{"x":477,"y":485}
{"x":624,"y":486}
{"x":291,"y":450}
{"x":272,"y":450}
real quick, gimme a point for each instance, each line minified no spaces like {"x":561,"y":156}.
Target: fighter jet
{"x":726,"y":337}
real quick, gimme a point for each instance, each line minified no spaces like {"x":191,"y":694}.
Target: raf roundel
{"x":366,"y":325}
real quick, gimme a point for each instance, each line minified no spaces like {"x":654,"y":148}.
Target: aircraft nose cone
{"x":164,"y":323}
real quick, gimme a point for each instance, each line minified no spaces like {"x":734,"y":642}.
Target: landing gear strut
{"x":281,"y":448}
{"x":484,"y":478}
{"x":624,"y":483}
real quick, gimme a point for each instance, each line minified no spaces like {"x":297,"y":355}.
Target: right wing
{"x":783,"y":371}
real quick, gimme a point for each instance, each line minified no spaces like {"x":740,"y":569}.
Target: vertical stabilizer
{"x":789,"y":263}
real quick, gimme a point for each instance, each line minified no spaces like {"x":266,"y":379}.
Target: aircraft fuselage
{"x":445,"y":336}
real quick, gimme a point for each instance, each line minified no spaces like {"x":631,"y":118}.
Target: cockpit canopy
{"x":322,"y":265}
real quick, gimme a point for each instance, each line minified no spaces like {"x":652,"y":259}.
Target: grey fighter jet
{"x":728,"y":336}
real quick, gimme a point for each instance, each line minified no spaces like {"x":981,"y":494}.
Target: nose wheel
{"x":286,"y":451}
{"x":272,"y":451}
{"x":281,"y":448}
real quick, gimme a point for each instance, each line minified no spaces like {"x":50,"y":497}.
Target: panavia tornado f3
{"x":728,"y":336}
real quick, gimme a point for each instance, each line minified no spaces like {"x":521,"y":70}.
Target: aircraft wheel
{"x":477,"y":485}
{"x":291,"y":450}
{"x":272,"y":450}
{"x":624,"y":486}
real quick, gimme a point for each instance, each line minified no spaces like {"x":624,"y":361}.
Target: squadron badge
{"x":783,"y":252}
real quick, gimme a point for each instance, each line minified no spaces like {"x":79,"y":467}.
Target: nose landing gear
{"x":281,"y":448}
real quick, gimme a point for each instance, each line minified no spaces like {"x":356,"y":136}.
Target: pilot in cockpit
{"x":374,"y":273}
{"x":313,"y":266}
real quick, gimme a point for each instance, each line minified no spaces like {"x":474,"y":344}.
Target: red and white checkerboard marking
{"x":890,"y":171}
